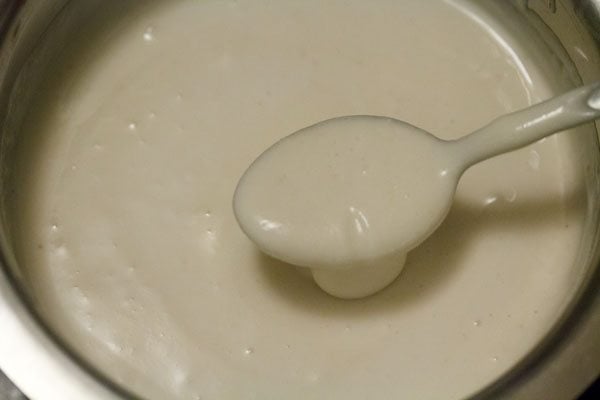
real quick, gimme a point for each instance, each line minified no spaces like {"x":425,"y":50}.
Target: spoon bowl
{"x":368,"y":187}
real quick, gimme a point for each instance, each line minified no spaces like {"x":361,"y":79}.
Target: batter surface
{"x":131,"y":156}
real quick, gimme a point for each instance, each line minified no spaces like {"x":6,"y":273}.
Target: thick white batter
{"x":134,"y":150}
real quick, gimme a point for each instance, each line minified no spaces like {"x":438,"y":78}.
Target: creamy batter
{"x":131,"y":156}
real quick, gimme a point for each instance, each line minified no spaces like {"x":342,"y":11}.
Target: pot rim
{"x":43,"y":366}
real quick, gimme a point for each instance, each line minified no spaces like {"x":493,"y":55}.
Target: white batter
{"x":134,"y":150}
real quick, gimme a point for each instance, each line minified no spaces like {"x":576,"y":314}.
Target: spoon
{"x":348,"y":197}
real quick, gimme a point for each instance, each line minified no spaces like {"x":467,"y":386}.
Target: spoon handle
{"x":518,"y":129}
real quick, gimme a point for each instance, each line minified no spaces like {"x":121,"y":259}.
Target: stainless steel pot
{"x":40,"y":363}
